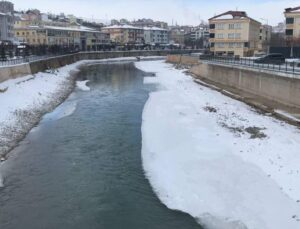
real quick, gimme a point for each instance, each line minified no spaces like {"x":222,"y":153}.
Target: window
{"x":237,"y":36}
{"x":246,"y":44}
{"x":290,"y":20}
{"x":289,"y":32}
{"x":220,"y":26}
{"x":230,"y":35}
{"x":238,"y":45}
{"x":220,"y":35}
{"x":211,"y":35}
{"x":212,"y":44}
{"x":238,"y":26}
{"x":231,"y":45}
{"x":220,"y":45}
{"x":231,"y":26}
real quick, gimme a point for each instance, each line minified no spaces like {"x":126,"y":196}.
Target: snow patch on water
{"x":1,"y":181}
{"x":64,"y":110}
{"x":217,"y":159}
{"x":82,"y":85}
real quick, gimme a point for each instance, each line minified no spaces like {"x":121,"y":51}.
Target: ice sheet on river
{"x":217,"y":158}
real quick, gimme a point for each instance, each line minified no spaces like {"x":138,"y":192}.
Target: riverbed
{"x":81,"y":166}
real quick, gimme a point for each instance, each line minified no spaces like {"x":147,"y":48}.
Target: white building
{"x":155,"y":35}
{"x":6,"y":21}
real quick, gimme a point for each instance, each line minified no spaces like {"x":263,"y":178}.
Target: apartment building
{"x":155,"y":35}
{"x":149,"y":23}
{"x":176,"y":36}
{"x":292,"y":16}
{"x":233,"y":33}
{"x":80,"y":38}
{"x":6,"y":21}
{"x":125,"y":34}
{"x":264,"y":38}
{"x":198,"y":34}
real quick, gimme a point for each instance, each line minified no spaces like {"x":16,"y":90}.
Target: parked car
{"x":273,"y":58}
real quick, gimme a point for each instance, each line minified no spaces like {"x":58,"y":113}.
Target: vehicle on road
{"x":273,"y":58}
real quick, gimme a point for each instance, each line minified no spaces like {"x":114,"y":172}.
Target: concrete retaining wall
{"x":278,"y":87}
{"x":7,"y":73}
{"x":271,"y":86}
{"x":181,"y":59}
{"x":56,"y":62}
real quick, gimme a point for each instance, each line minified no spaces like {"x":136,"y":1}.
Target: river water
{"x":81,"y":166}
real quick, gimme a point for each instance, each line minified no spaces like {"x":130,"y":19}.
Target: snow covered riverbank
{"x":23,"y":101}
{"x":217,"y":158}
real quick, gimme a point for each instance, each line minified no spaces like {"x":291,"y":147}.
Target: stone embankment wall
{"x":15,"y":71}
{"x":278,"y":87}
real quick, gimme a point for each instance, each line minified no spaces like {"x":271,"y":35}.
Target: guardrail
{"x":287,"y":67}
{"x":22,"y":60}
{"x":28,"y":59}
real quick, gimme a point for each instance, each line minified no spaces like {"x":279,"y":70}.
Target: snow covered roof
{"x":121,"y":27}
{"x":154,"y":28}
{"x":232,"y":15}
{"x":291,"y":10}
{"x":81,"y":29}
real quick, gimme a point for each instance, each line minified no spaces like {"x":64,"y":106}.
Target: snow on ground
{"x":24,"y":100}
{"x":217,"y":158}
{"x":82,"y":85}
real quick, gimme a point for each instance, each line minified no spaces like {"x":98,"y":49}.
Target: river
{"x":81,"y":166}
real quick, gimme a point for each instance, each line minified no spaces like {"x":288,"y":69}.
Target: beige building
{"x":125,"y":34}
{"x":234,"y":34}
{"x":80,"y":38}
{"x":265,"y":34}
{"x":292,"y":16}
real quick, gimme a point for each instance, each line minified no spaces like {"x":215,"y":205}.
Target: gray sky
{"x":180,"y":11}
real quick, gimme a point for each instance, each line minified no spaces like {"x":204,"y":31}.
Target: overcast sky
{"x":181,"y":11}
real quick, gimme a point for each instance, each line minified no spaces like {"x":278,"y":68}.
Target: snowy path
{"x":217,"y":158}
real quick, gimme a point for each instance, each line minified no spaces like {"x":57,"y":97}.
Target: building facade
{"x":176,"y":36}
{"x":77,"y":38}
{"x":265,"y":34}
{"x":198,"y":37}
{"x":234,"y":34}
{"x":6,"y":21}
{"x":125,"y":34}
{"x":292,"y":16}
{"x":155,"y":35}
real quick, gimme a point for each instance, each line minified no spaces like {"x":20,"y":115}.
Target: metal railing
{"x":27,"y":59}
{"x":23,"y":60}
{"x":287,"y":67}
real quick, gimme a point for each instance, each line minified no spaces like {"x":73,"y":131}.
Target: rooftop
{"x":154,"y":28}
{"x":81,"y":29}
{"x":232,"y":15}
{"x":121,"y":27}
{"x":290,"y":10}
